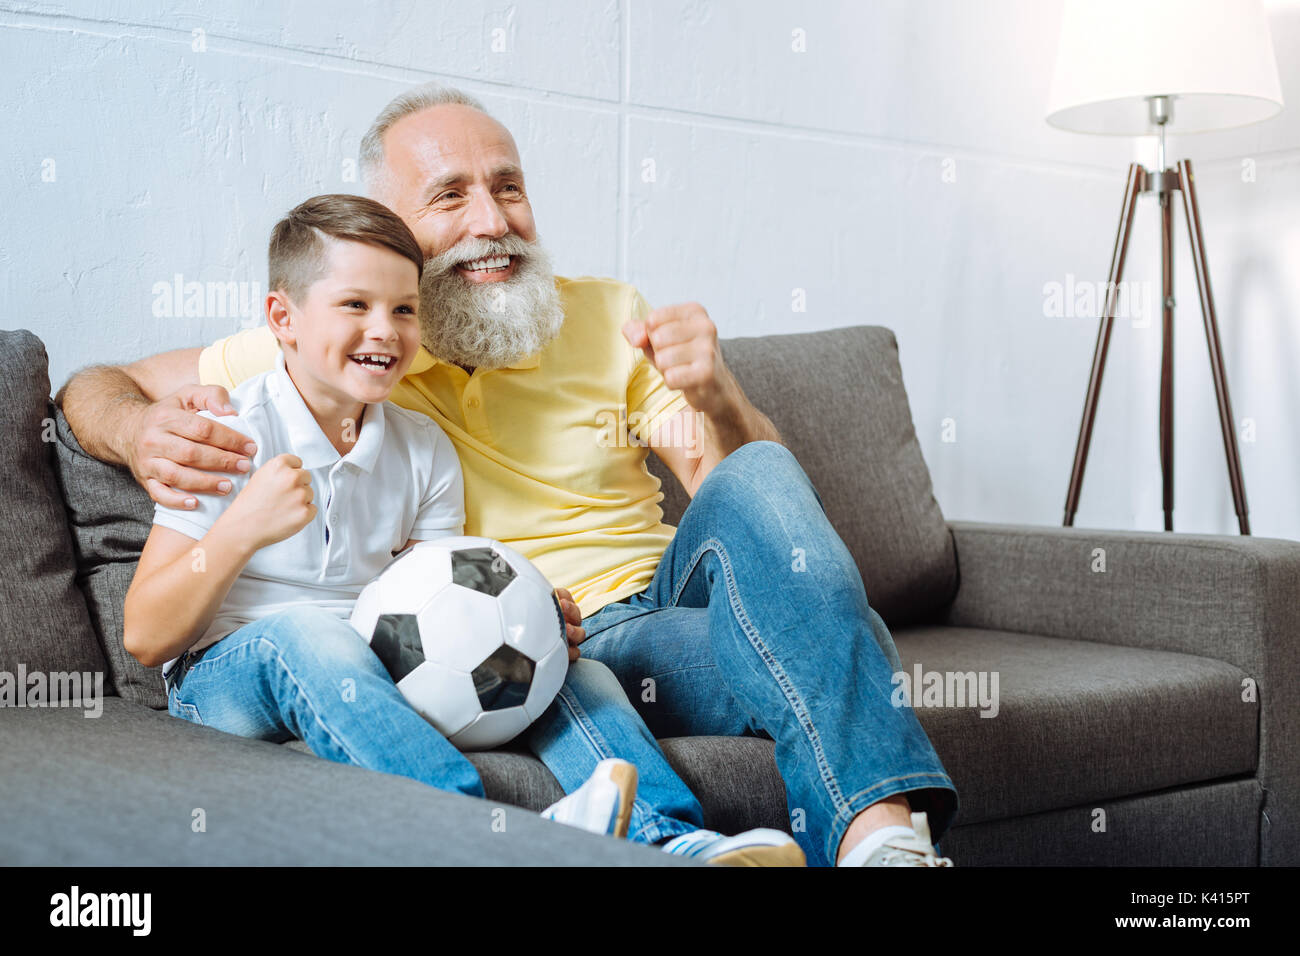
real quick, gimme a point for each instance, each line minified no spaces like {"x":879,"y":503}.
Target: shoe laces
{"x":895,"y":855}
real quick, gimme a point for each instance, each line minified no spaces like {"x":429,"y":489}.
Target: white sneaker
{"x":601,"y":805}
{"x":904,"y":850}
{"x":752,"y":848}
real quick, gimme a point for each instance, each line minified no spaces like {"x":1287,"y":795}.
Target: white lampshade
{"x":1214,"y":58}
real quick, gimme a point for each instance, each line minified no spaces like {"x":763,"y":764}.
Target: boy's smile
{"x":353,"y":335}
{"x":376,"y":363}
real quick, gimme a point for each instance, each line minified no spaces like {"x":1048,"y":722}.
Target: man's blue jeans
{"x":757,"y":622}
{"x":305,"y":673}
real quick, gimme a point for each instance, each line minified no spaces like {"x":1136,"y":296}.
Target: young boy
{"x":246,"y":597}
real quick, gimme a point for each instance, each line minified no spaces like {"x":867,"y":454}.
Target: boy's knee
{"x":313,"y":634}
{"x":591,"y":676}
{"x":305,"y":617}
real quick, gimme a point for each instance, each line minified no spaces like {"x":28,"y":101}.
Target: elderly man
{"x":551,"y":390}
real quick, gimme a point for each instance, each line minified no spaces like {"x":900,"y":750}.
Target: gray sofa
{"x":1147,"y":713}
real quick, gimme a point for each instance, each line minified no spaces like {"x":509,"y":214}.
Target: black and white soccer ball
{"x":472,"y":635}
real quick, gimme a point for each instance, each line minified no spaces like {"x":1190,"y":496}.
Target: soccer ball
{"x":471,"y":634}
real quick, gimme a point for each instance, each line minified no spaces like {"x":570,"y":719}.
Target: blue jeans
{"x":305,"y":673}
{"x":757,"y":623}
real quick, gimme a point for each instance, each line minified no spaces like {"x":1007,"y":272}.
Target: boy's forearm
{"x":101,"y":404}
{"x":168,"y":611}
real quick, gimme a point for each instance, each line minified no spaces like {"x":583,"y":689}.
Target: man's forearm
{"x":723,"y":433}
{"x":100,"y":403}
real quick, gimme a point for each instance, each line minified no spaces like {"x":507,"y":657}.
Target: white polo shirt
{"x":400,"y":480}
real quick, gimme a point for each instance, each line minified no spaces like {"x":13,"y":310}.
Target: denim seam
{"x":623,"y":620}
{"x":683,"y":670}
{"x":279,"y":658}
{"x":774,"y":667}
{"x":589,"y":729}
{"x":185,"y":706}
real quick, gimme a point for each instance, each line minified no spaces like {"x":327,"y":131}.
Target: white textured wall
{"x":897,"y":170}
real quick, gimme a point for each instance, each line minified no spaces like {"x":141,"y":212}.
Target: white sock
{"x":859,"y":854}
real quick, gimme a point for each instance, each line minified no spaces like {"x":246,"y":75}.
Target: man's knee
{"x":758,"y":464}
{"x":759,"y":460}
{"x":759,"y":454}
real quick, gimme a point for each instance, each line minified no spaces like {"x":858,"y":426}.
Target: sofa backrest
{"x":45,"y":629}
{"x":837,"y":398}
{"x":109,"y":515}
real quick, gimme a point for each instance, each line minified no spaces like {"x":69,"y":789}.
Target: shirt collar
{"x":305,"y":434}
{"x":425,"y":360}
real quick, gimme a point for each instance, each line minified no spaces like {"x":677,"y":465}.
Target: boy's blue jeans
{"x":757,"y":622}
{"x":305,"y":673}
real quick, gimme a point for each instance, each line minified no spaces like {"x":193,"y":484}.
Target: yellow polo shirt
{"x":552,"y":448}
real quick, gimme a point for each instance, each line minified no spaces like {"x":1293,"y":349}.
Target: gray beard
{"x":492,"y":324}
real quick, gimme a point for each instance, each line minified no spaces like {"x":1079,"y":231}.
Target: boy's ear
{"x":279,"y":317}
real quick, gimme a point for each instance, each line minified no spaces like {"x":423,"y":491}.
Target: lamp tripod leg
{"x":1132,"y":186}
{"x":1167,"y":356}
{"x":1192,"y":213}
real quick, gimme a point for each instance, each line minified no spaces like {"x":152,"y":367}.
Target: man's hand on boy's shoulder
{"x":573,"y":629}
{"x":173,"y":448}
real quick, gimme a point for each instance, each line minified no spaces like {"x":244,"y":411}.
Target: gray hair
{"x":414,"y":100}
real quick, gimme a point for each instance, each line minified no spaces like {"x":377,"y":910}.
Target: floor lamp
{"x":1131,"y":68}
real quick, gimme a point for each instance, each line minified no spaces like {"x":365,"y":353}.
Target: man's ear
{"x":280,"y":314}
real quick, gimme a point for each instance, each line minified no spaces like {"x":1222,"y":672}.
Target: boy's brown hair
{"x":296,"y":257}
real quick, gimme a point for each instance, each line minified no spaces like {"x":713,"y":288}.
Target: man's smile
{"x":488,"y":269}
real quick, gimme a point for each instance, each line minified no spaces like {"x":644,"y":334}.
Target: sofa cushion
{"x":129,"y":787}
{"x":44,"y":624}
{"x":110,"y":516}
{"x":1082,"y":720}
{"x":837,"y":398}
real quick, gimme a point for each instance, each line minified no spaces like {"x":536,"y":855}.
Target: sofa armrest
{"x":1234,"y":599}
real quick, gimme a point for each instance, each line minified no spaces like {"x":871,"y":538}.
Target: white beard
{"x":489,"y":324}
